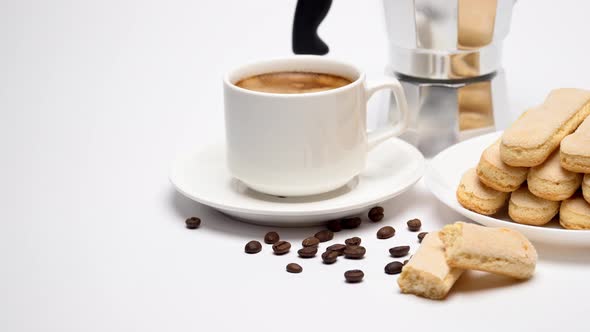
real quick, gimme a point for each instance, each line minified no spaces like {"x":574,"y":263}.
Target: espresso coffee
{"x":291,"y":82}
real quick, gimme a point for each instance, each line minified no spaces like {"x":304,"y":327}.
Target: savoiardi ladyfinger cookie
{"x":427,"y":273}
{"x":586,"y":187}
{"x":575,"y":149}
{"x":526,"y":208}
{"x":574,"y":213}
{"x":538,"y":132}
{"x":477,"y":197}
{"x":551,"y":181}
{"x":496,"y":174}
{"x":495,"y":250}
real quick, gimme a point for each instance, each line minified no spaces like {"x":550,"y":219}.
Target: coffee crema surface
{"x":293,"y":82}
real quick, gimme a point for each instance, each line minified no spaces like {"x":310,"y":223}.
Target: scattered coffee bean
{"x":294,"y":268}
{"x":414,"y":225}
{"x":394,"y":268}
{"x":334,"y":225}
{"x":421,"y":236}
{"x":311,"y":241}
{"x":339,"y":248}
{"x":281,"y":247}
{"x":253,"y":247}
{"x":350,"y":223}
{"x":330,"y":257}
{"x":377,"y":209}
{"x":354,"y":252}
{"x":324,"y":236}
{"x":307,"y":252}
{"x":385,"y":232}
{"x":406,"y":261}
{"x":353,"y":241}
{"x":193,"y":222}
{"x":399,"y":251}
{"x":377,"y":217}
{"x":376,"y":214}
{"x":271,"y":238}
{"x":354,"y":276}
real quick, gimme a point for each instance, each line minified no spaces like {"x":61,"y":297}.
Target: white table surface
{"x":97,"y":97}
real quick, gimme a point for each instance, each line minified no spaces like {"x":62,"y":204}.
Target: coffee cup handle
{"x":380,"y":135}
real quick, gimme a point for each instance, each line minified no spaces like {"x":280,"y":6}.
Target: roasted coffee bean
{"x":334,"y":225}
{"x":399,"y":251}
{"x":354,"y":252}
{"x":294,"y":268}
{"x":354,"y":276}
{"x":421,"y":236}
{"x":324,"y":236}
{"x":253,"y":247}
{"x":281,"y":247}
{"x":350,"y":223}
{"x":330,"y":257}
{"x":307,"y":252}
{"x":376,"y":214}
{"x":385,"y":232}
{"x":339,"y":248}
{"x":311,"y":241}
{"x":353,"y":241}
{"x":377,"y":217}
{"x":193,"y":222}
{"x":271,"y":238}
{"x":377,"y":209}
{"x":394,"y":268}
{"x":414,"y":225}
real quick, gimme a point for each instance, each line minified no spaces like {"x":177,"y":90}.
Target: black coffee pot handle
{"x":308,"y":16}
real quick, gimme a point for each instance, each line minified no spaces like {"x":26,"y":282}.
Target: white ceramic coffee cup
{"x":302,"y":144}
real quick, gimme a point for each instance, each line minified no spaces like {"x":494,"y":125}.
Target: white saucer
{"x":444,"y":173}
{"x":392,"y":167}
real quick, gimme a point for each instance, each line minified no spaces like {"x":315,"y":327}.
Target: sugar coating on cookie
{"x":427,"y":274}
{"x":496,"y":174}
{"x":575,"y":213}
{"x":575,"y":149}
{"x":551,"y":181}
{"x":475,"y":196}
{"x":496,"y":250}
{"x":586,"y":187}
{"x":538,"y":132}
{"x":526,"y":208}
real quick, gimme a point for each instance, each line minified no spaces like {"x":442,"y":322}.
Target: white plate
{"x":392,"y":167}
{"x":444,"y":173}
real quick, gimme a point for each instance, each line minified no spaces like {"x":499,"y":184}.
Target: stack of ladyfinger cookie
{"x":540,"y":165}
{"x":444,"y":255}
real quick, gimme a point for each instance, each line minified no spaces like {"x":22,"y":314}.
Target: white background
{"x":97,"y":97}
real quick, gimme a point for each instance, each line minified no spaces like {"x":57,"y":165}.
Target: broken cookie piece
{"x":495,"y":250}
{"x":427,"y":274}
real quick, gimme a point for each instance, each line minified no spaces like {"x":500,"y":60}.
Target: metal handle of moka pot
{"x":309,"y":14}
